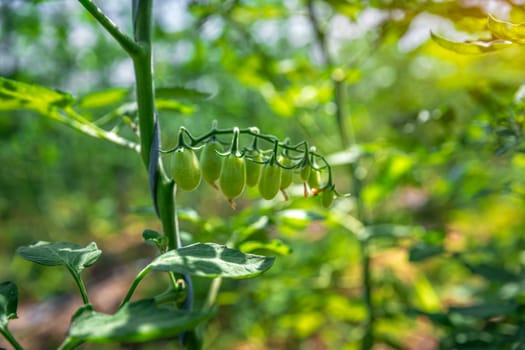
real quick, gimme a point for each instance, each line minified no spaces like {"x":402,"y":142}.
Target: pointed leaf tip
{"x":514,"y":32}
{"x":471,"y":47}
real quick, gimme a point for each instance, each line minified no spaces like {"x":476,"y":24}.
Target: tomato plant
{"x":425,"y":252}
{"x":172,"y":312}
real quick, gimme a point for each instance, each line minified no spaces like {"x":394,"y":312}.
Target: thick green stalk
{"x":166,"y":206}
{"x":142,"y":63}
{"x":165,"y":187}
{"x":10,"y":338}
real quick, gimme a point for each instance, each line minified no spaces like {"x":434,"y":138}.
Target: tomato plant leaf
{"x":176,"y":92}
{"x":156,"y":238}
{"x":247,"y":230}
{"x":72,"y":255}
{"x":8,"y":302}
{"x":423,"y":251}
{"x":139,"y":321}
{"x":507,"y":30}
{"x":103,"y":98}
{"x":390,"y":231}
{"x":471,"y":47}
{"x":276,"y":246}
{"x":18,"y":95}
{"x":174,"y":106}
{"x":212,"y":260}
{"x":486,"y":310}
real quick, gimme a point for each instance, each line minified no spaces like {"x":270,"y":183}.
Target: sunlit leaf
{"x":507,"y":30}
{"x":18,"y":95}
{"x":8,"y":302}
{"x":471,"y":47}
{"x":247,"y":230}
{"x":298,"y":218}
{"x":351,"y":9}
{"x":174,"y":106}
{"x":300,"y":215}
{"x":189,"y":214}
{"x":249,"y":14}
{"x":67,"y":254}
{"x":212,"y":260}
{"x":390,"y":231}
{"x":425,"y":296}
{"x":103,"y":98}
{"x":140,"y":321}
{"x":276,"y":246}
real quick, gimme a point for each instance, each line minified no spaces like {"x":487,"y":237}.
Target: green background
{"x":438,"y":136}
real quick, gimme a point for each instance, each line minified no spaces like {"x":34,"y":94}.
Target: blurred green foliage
{"x":436,"y":145}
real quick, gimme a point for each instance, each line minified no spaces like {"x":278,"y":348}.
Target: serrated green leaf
{"x":18,"y":95}
{"x":8,"y":302}
{"x":139,"y":321}
{"x":507,"y":30}
{"x":212,"y":260}
{"x":67,"y":254}
{"x":176,"y":92}
{"x":103,"y":98}
{"x":276,"y":246}
{"x":471,"y":47}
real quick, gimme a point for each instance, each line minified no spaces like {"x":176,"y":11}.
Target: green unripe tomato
{"x":327,"y":198}
{"x":211,"y":162}
{"x":305,"y":172}
{"x":233,"y":176}
{"x":270,"y":181}
{"x":185,"y":169}
{"x":314,"y":179}
{"x":286,"y":174}
{"x":253,"y":170}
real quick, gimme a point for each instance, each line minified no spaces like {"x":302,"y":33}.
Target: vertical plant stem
{"x":368,"y":339}
{"x":10,"y":338}
{"x":142,"y":63}
{"x":347,"y":139}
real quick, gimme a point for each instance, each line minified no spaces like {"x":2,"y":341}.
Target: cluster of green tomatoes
{"x":228,"y":167}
